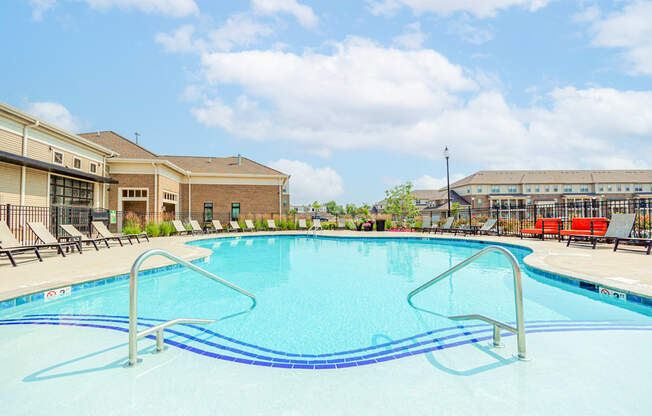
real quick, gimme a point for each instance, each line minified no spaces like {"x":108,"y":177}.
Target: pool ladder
{"x":134,"y":335}
{"x":519,"y":330}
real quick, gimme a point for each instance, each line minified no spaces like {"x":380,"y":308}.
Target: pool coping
{"x":585,"y":282}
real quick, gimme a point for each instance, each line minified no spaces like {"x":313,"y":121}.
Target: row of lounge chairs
{"x":233,"y":226}
{"x":75,"y":239}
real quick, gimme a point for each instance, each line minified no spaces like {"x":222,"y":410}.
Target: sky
{"x":350,"y":97}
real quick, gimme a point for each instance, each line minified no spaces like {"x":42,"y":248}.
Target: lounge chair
{"x":302,"y":225}
{"x":104,"y":232}
{"x":235,"y":226}
{"x":249,"y":226}
{"x":74,"y":232}
{"x":585,"y":227}
{"x":487,"y":227}
{"x":619,"y":230}
{"x":196,"y":228}
{"x":271,"y":225}
{"x":10,"y":246}
{"x":464,"y":229}
{"x":426,"y":224}
{"x":316,"y":224}
{"x":447,"y":226}
{"x":179,"y":227}
{"x":48,"y":240}
{"x":341,"y":224}
{"x":544,"y":226}
{"x":217,"y":226}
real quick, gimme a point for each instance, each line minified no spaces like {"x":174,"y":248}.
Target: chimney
{"x":239,"y":159}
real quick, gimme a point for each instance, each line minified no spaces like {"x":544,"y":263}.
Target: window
{"x":529,"y":189}
{"x":601,"y":187}
{"x":479,"y":202}
{"x":584,"y":188}
{"x":70,"y":192}
{"x":536,"y":188}
{"x":547,"y":188}
{"x":169,"y":197}
{"x":57,"y":158}
{"x":619,"y":187}
{"x":76,"y":163}
{"x":235,"y":211}
{"x":555,"y":189}
{"x":134,"y":193}
{"x":479,"y":189}
{"x":495,"y":189}
{"x":208,"y":212}
{"x":468,"y":190}
{"x":638,"y":188}
{"x":627,"y":188}
{"x":568,"y":188}
{"x":512,"y":189}
{"x":93,"y":167}
{"x":609,"y":188}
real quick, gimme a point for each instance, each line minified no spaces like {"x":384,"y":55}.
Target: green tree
{"x":351,"y":209}
{"x":401,"y":203}
{"x":333,"y":209}
{"x":363,"y":211}
{"x":316,"y":204}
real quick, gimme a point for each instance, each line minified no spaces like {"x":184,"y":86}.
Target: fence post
{"x":9,"y":216}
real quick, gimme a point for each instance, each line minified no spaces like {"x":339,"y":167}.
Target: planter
{"x":368,"y":227}
{"x":380,"y":225}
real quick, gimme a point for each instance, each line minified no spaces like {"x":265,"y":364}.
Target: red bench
{"x":587,"y":226}
{"x":544,"y":226}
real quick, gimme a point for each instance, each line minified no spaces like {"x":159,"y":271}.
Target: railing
{"x":134,"y":335}
{"x":519,"y":330}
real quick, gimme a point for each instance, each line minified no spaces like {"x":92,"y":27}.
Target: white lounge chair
{"x":47,"y":239}
{"x":196,"y":228}
{"x":235,"y":226}
{"x":271,"y":225}
{"x":179,"y":228}
{"x":316,"y":225}
{"x":74,"y":232}
{"x":249,"y":226}
{"x":104,"y":232}
{"x":217,"y":225}
{"x":10,"y":246}
{"x":302,"y":225}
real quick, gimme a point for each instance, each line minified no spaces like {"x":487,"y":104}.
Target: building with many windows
{"x":44,"y":166}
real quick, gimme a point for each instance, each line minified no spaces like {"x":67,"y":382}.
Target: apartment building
{"x":42,"y":165}
{"x":519,"y":188}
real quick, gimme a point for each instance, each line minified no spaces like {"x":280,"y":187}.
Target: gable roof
{"x":195,"y":164}
{"x":515,"y":177}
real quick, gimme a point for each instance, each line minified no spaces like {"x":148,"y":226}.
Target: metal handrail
{"x":519,"y":330}
{"x":134,"y":335}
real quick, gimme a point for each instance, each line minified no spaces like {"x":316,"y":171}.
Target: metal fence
{"x":512,"y":218}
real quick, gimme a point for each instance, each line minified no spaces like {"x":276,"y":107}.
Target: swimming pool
{"x":324,"y":303}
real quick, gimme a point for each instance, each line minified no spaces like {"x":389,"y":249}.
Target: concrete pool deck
{"x":623,"y":270}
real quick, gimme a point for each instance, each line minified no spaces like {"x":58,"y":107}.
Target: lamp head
{"x":446,"y":153}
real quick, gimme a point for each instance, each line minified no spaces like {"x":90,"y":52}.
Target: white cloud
{"x":428,"y":182}
{"x":304,"y":14}
{"x":469,"y":33}
{"x":412,"y":38}
{"x":309,"y":184}
{"x":171,"y":8}
{"x":39,"y":7}
{"x":414,"y":102}
{"x":238,"y":30}
{"x":479,"y":8}
{"x":54,"y":113}
{"x":629,"y":30}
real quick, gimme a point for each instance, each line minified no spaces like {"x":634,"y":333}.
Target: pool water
{"x":326,"y":302}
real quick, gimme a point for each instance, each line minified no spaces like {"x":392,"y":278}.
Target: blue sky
{"x":350,"y":97}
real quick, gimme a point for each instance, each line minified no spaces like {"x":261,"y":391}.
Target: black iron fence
{"x":513,"y":218}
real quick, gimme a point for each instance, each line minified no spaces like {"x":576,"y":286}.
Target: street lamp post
{"x":448,"y":182}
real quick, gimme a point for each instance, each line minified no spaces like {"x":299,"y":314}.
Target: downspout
{"x":189,"y":196}
{"x":280,"y":196}
{"x":104,"y":173}
{"x":156,"y":207}
{"x":23,"y":170}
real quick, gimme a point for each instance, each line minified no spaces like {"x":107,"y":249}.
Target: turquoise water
{"x":325,"y":295}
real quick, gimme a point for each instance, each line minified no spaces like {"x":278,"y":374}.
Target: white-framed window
{"x":555,"y":188}
{"x":619,"y":187}
{"x":601,"y":187}
{"x":638,"y":188}
{"x":536,"y":188}
{"x":57,"y":157}
{"x":495,"y":189}
{"x":512,"y":189}
{"x":568,"y":188}
{"x":584,"y":188}
{"x":547,"y":188}
{"x":134,"y":193}
{"x":76,"y":163}
{"x":170,"y":197}
{"x":609,"y":188}
{"x":479,"y":202}
{"x":92,"y":167}
{"x":529,"y":189}
{"x":627,"y":187}
{"x":479,"y":189}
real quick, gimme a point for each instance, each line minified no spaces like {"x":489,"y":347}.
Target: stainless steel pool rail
{"x":519,"y":330}
{"x":134,"y":335}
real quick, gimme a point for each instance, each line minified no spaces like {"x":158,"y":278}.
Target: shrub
{"x":242,"y":224}
{"x":308,"y":223}
{"x":132,"y":223}
{"x":130,"y":229}
{"x":283,"y":225}
{"x":388,"y":224}
{"x":153,"y":229}
{"x":259,"y":224}
{"x":188,"y":227}
{"x":166,"y":228}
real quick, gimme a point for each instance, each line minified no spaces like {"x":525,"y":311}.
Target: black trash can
{"x":380,"y":225}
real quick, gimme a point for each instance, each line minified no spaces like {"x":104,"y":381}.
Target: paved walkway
{"x":627,"y":271}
